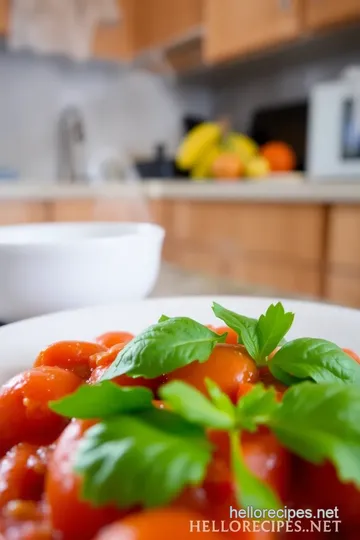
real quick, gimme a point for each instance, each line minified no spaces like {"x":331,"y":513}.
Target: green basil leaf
{"x":282,"y":376}
{"x":272,"y":328}
{"x":163,"y":318}
{"x":250,"y":490}
{"x":192,"y":405}
{"x":245,"y":327}
{"x":103,"y":400}
{"x":256,"y":407}
{"x":164,"y":347}
{"x":315,"y":359}
{"x":219,"y":398}
{"x":145,"y":459}
{"x":320,"y":422}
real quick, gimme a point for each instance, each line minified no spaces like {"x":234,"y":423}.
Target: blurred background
{"x":235,"y":125}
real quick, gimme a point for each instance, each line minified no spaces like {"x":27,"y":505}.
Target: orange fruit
{"x":227,"y":165}
{"x":280,"y":156}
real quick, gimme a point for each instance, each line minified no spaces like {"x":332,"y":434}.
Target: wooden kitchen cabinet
{"x":4,"y":16}
{"x":160,"y":22}
{"x":103,"y":209}
{"x":16,"y":212}
{"x":115,"y":42}
{"x":278,"y":246}
{"x":342,"y":280}
{"x":234,"y":27}
{"x":344,"y":238}
{"x":322,"y":13}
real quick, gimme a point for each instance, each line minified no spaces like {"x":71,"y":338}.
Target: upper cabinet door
{"x":115,"y":42}
{"x":4,"y":16}
{"x":235,"y":27}
{"x":321,"y":13}
{"x":160,"y":22}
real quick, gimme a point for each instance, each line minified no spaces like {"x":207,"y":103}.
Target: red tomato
{"x":264,"y":455}
{"x":320,"y":487}
{"x":114,"y":338}
{"x":124,"y":380}
{"x":162,"y":524}
{"x":22,"y":473}
{"x":70,"y":355}
{"x":27,"y":530}
{"x":106,"y":358}
{"x":232,"y":337}
{"x":25,"y":520}
{"x":24,"y":412}
{"x":228,"y":366}
{"x":70,"y":515}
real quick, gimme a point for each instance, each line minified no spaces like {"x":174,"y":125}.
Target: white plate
{"x":21,"y":342}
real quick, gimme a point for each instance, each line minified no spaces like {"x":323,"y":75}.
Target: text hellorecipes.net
{"x":283,"y":520}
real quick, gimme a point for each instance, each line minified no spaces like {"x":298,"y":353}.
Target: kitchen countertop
{"x":286,"y":188}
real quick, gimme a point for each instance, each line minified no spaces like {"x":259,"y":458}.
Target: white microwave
{"x":333,"y":141}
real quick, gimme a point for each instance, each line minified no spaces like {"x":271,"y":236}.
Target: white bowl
{"x":21,"y":342}
{"x":56,"y":266}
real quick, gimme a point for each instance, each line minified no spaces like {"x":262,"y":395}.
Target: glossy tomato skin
{"x":228,"y":366}
{"x":22,"y":473}
{"x":73,"y":356}
{"x":70,"y":515}
{"x":24,"y":412}
{"x":162,"y":524}
{"x":106,"y":358}
{"x":263,"y":454}
{"x":109,"y":339}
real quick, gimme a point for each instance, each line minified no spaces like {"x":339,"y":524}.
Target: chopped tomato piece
{"x":227,"y":366}
{"x":22,"y":473}
{"x":263,"y":454}
{"x":106,"y":358}
{"x":70,"y":515}
{"x":70,"y":355}
{"x":109,"y":339}
{"x":24,"y":412}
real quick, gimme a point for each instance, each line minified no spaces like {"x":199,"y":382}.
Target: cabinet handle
{"x":285,"y":5}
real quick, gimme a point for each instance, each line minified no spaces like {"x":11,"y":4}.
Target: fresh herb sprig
{"x":169,"y":450}
{"x":163,"y":347}
{"x":304,"y":359}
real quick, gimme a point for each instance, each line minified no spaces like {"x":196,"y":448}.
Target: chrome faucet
{"x":71,"y":139}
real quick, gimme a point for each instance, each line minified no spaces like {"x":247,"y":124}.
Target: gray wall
{"x":125,"y":110}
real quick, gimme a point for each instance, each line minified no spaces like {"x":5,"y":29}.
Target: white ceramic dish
{"x":56,"y":266}
{"x":21,"y":342}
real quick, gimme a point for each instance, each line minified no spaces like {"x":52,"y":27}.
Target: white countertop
{"x":286,"y":189}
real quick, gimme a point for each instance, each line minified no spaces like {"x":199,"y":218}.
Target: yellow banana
{"x":241,"y":145}
{"x":195,"y":144}
{"x":202,"y":170}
